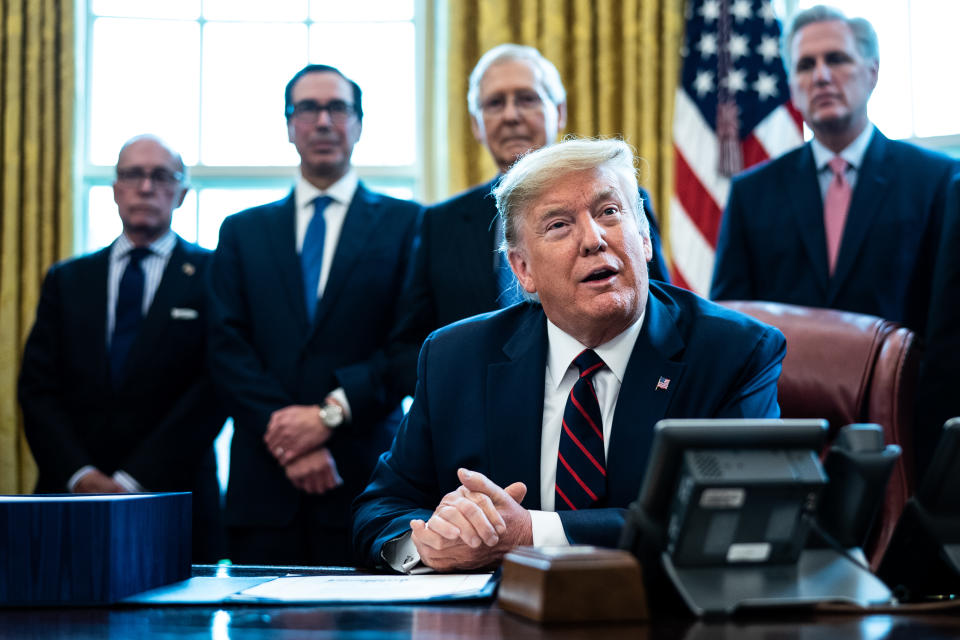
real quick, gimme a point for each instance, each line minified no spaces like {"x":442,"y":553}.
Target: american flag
{"x":663,"y":383}
{"x":732,"y":111}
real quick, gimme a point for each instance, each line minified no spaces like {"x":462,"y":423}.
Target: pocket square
{"x":178,"y":313}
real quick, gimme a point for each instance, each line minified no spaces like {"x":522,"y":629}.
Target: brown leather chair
{"x":846,"y":368}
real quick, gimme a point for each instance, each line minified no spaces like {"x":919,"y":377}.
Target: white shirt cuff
{"x":127,"y":481}
{"x":77,"y":475}
{"x":547,"y":529}
{"x":341,"y":396}
{"x":402,"y":555}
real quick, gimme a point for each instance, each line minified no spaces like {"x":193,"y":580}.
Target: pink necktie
{"x":835,"y":207}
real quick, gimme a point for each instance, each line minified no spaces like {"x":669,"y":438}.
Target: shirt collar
{"x":162,"y":246}
{"x":615,"y":353}
{"x":853,"y":154}
{"x":341,"y":191}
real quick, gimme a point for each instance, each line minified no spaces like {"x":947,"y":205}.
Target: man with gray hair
{"x":115,"y":392}
{"x":850,"y":220}
{"x":551,"y":403}
{"x":517,"y":103}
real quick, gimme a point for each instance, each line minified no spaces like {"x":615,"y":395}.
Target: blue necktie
{"x":129,"y":313}
{"x":581,"y":466}
{"x":311,"y":255}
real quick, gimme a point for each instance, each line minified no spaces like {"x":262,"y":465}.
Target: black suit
{"x":772,"y":243}
{"x":159,"y":424}
{"x":479,"y":405}
{"x":453,"y":275}
{"x":265,"y":355}
{"x":938,"y":397}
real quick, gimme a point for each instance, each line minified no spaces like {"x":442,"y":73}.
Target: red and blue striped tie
{"x":581,"y":470}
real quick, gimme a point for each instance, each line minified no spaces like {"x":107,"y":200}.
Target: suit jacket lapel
{"x":92,"y":304}
{"x":807,"y":205}
{"x":362,"y":218}
{"x":177,"y":277}
{"x":514,"y":406}
{"x":641,"y":403}
{"x":865,"y":208}
{"x":281,"y":232}
{"x":477,"y":247}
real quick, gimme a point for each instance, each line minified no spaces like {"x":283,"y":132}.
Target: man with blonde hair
{"x":551,"y":403}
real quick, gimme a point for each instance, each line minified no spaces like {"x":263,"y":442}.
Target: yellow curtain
{"x":36,"y":133}
{"x":619,"y":60}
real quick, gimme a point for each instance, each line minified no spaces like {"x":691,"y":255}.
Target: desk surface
{"x":433,"y":622}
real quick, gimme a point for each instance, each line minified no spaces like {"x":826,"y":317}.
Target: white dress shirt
{"x":853,"y":154}
{"x":341,"y":193}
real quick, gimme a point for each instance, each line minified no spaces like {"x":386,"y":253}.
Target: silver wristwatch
{"x":331,"y":415}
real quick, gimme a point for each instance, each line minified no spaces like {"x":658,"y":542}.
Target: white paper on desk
{"x":378,"y":588}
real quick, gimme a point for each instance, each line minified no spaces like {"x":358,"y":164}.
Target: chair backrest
{"x":849,"y":367}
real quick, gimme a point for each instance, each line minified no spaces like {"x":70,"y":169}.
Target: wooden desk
{"x":433,"y":622}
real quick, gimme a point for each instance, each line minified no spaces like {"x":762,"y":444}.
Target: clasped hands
{"x":474,"y":526}
{"x":295,"y":437}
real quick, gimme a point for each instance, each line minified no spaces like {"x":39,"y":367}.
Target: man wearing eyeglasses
{"x":517,"y":104}
{"x":304,"y":292}
{"x":114,"y":388}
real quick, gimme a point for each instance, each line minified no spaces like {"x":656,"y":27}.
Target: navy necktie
{"x":311,"y":255}
{"x":581,"y":467}
{"x":129,"y":314}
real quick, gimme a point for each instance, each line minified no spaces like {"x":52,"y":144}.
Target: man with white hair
{"x":850,"y":220}
{"x":552,"y":403}
{"x":517,"y":103}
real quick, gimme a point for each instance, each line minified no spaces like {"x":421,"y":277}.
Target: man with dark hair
{"x":304,"y":292}
{"x":517,"y":103}
{"x":850,"y":220}
{"x":114,"y":388}
{"x":551,"y":403}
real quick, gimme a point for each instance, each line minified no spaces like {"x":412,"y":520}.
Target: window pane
{"x":388,"y":83}
{"x":243,"y":121}
{"x":156,"y":90}
{"x":217,"y":204}
{"x":277,"y":10}
{"x":372,"y":10}
{"x":103,"y":223}
{"x":185,"y":218}
{"x":935,"y":97}
{"x":147,"y":8}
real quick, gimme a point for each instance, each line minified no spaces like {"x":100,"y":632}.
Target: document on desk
{"x":372,"y":588}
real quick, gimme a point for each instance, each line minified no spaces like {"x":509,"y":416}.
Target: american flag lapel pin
{"x":663,"y":383}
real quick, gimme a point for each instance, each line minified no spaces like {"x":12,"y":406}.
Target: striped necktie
{"x":581,"y":467}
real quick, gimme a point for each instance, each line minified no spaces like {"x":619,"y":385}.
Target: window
{"x":914,"y":99}
{"x":209,"y":75}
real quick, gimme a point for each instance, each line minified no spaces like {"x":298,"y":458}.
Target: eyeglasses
{"x":524,"y":101}
{"x":134,"y":177}
{"x":307,"y":111}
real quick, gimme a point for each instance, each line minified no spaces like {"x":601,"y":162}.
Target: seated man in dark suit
{"x":517,"y":103}
{"x":304,"y":292}
{"x":114,"y":389}
{"x":850,"y":220}
{"x":552,"y":402}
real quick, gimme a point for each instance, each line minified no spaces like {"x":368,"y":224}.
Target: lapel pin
{"x":189,"y":269}
{"x":663,"y":384}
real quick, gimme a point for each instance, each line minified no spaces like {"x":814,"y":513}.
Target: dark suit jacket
{"x":479,"y":405}
{"x":938,"y":395}
{"x":265,"y":355}
{"x":772,"y":244}
{"x":159,"y":425}
{"x":452,"y":276}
